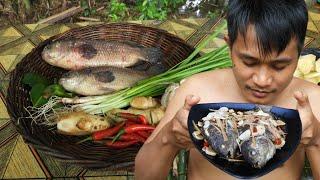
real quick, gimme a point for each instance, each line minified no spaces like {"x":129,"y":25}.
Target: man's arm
{"x":313,"y":149}
{"x":155,"y":158}
{"x":311,"y":135}
{"x":313,"y":154}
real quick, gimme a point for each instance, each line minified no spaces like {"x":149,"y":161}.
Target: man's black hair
{"x":276,"y":22}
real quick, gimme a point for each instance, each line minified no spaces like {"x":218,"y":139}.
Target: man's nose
{"x":262,"y":78}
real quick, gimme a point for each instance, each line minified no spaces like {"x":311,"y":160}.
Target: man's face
{"x":261,"y":79}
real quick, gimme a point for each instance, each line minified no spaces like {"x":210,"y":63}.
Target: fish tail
{"x":153,"y":55}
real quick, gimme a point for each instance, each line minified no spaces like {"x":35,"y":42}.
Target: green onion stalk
{"x":156,"y":85}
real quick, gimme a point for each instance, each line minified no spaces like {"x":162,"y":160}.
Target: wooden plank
{"x":60,"y":16}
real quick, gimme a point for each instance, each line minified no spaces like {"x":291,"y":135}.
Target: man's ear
{"x":226,"y":39}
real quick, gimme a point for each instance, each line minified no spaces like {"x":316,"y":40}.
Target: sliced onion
{"x":245,"y":135}
{"x":209,"y":151}
{"x":280,"y":123}
{"x":200,"y":124}
{"x":197,"y":135}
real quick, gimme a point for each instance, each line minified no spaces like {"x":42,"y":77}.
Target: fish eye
{"x":253,"y":153}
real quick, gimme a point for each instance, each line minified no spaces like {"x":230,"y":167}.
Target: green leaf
{"x":84,"y":4}
{"x":27,"y":4}
{"x":86,"y":12}
{"x":150,"y":13}
{"x":144,"y":2}
{"x":36,"y":95}
{"x":93,"y":11}
{"x":55,"y":89}
{"x":32,"y":79}
{"x":142,"y":16}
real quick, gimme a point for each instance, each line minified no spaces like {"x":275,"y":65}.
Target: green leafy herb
{"x":57,"y":90}
{"x":36,"y":95}
{"x":42,"y":89}
{"x":32,"y":79}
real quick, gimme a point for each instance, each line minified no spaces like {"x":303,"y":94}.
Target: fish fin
{"x":150,"y":69}
{"x":87,"y":51}
{"x":140,"y":66}
{"x":106,"y":90}
{"x":153,"y":55}
{"x":104,"y":76}
{"x":133,"y":44}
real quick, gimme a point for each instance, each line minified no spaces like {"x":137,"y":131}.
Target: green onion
{"x":183,"y":164}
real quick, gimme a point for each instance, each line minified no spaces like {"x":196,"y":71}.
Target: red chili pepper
{"x":254,"y":129}
{"x":131,"y":137}
{"x":143,"y":134}
{"x":277,"y":141}
{"x":99,"y":135}
{"x":141,"y":119}
{"x":206,"y":144}
{"x":107,"y":132}
{"x":138,"y":127}
{"x":119,"y":134}
{"x":120,"y":144}
{"x":129,"y":123}
{"x":132,"y":129}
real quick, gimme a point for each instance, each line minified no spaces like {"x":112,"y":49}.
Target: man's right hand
{"x":179,"y":126}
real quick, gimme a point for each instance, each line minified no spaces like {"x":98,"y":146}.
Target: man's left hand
{"x":310,"y":124}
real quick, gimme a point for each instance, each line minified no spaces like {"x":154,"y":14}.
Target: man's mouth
{"x":259,"y":93}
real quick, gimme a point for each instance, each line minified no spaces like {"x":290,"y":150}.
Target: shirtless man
{"x":265,"y":39}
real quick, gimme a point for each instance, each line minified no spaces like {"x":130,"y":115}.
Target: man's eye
{"x":249,"y":64}
{"x":279,"y":67}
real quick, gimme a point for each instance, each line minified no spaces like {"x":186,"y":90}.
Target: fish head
{"x":71,"y":80}
{"x":258,"y":153}
{"x":56,"y":52}
{"x":226,"y":148}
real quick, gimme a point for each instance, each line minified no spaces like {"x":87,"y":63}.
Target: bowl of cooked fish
{"x":81,"y":67}
{"x":242,"y":139}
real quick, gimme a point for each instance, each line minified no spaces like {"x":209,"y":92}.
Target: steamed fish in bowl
{"x":252,"y":136}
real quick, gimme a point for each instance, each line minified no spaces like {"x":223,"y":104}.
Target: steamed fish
{"x":258,"y":151}
{"x":252,"y":136}
{"x":100,"y":80}
{"x":79,"y":54}
{"x":224,"y":146}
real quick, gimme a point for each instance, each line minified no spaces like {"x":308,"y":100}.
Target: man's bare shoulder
{"x":313,"y":90}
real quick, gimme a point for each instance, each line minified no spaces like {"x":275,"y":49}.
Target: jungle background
{"x":33,"y":11}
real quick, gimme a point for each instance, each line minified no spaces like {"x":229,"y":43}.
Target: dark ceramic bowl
{"x":244,"y":170}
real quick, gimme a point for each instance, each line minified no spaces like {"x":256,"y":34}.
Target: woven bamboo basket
{"x":88,"y":155}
